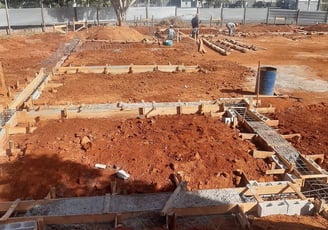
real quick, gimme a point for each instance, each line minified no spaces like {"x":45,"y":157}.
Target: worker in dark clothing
{"x":195,"y":24}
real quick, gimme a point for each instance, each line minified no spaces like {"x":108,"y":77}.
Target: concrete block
{"x":268,"y":208}
{"x":227,"y":120}
{"x":299,"y":207}
{"x":27,"y":225}
{"x":289,"y":177}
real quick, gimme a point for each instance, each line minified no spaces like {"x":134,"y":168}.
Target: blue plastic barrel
{"x":168,"y":42}
{"x":267,"y":80}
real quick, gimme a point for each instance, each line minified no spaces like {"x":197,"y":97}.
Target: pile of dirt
{"x":247,"y":28}
{"x":284,"y":222}
{"x":121,"y":33}
{"x":318,"y":28}
{"x":200,"y":149}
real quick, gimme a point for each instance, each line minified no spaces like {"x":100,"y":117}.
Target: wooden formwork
{"x":167,"y":208}
{"x":79,"y":25}
{"x":62,"y":28}
{"x":29,"y":89}
{"x":108,"y":69}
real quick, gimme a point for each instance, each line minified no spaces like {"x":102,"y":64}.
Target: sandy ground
{"x":201,"y":149}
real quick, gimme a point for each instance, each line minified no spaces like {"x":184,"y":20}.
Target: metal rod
{"x":7,"y":17}
{"x":316,"y":190}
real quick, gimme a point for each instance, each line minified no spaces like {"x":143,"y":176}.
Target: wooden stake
{"x":113,"y":187}
{"x":2,"y":79}
{"x":11,"y":148}
{"x":258,"y":84}
{"x":8,"y":92}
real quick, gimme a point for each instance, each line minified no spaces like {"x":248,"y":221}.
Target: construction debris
{"x":215,"y":47}
{"x":100,"y":166}
{"x":122,"y":174}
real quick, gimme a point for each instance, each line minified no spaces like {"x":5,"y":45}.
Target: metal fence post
{"x":97,"y":15}
{"x":42,"y":16}
{"x":267,"y":18}
{"x":176,"y":12}
{"x":147,"y":8}
{"x":7,"y":17}
{"x":75,"y":13}
{"x":221,"y":18}
{"x":244,"y":18}
{"x":297,"y":16}
{"x":152,"y":21}
{"x":319,"y":4}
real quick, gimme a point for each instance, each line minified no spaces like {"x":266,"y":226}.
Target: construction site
{"x":105,"y":127}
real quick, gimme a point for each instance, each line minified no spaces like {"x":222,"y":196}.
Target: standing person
{"x":231,"y":27}
{"x":171,"y":33}
{"x":195,"y":24}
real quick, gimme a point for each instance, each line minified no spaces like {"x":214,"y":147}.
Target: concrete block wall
{"x":285,"y":207}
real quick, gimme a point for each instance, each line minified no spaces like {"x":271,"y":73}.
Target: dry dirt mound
{"x":319,"y":27}
{"x":115,"y":33}
{"x":265,"y":28}
{"x":202,"y":150}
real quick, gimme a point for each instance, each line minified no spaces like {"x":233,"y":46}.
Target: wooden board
{"x":262,"y":154}
{"x":247,"y":136}
{"x":266,"y":110}
{"x":272,"y":122}
{"x":209,"y":210}
{"x":254,"y":193}
{"x":169,"y":202}
{"x":29,"y":89}
{"x":297,"y":189}
{"x":289,"y":136}
{"x":2,"y":81}
{"x":125,"y":69}
{"x":10,"y":210}
{"x":76,"y":219}
{"x":275,"y":171}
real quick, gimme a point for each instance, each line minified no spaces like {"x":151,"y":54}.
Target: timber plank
{"x":208,"y":210}
{"x":262,"y":154}
{"x":10,"y":210}
{"x":275,"y":171}
{"x":254,"y":193}
{"x":297,"y":190}
{"x":170,"y":201}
